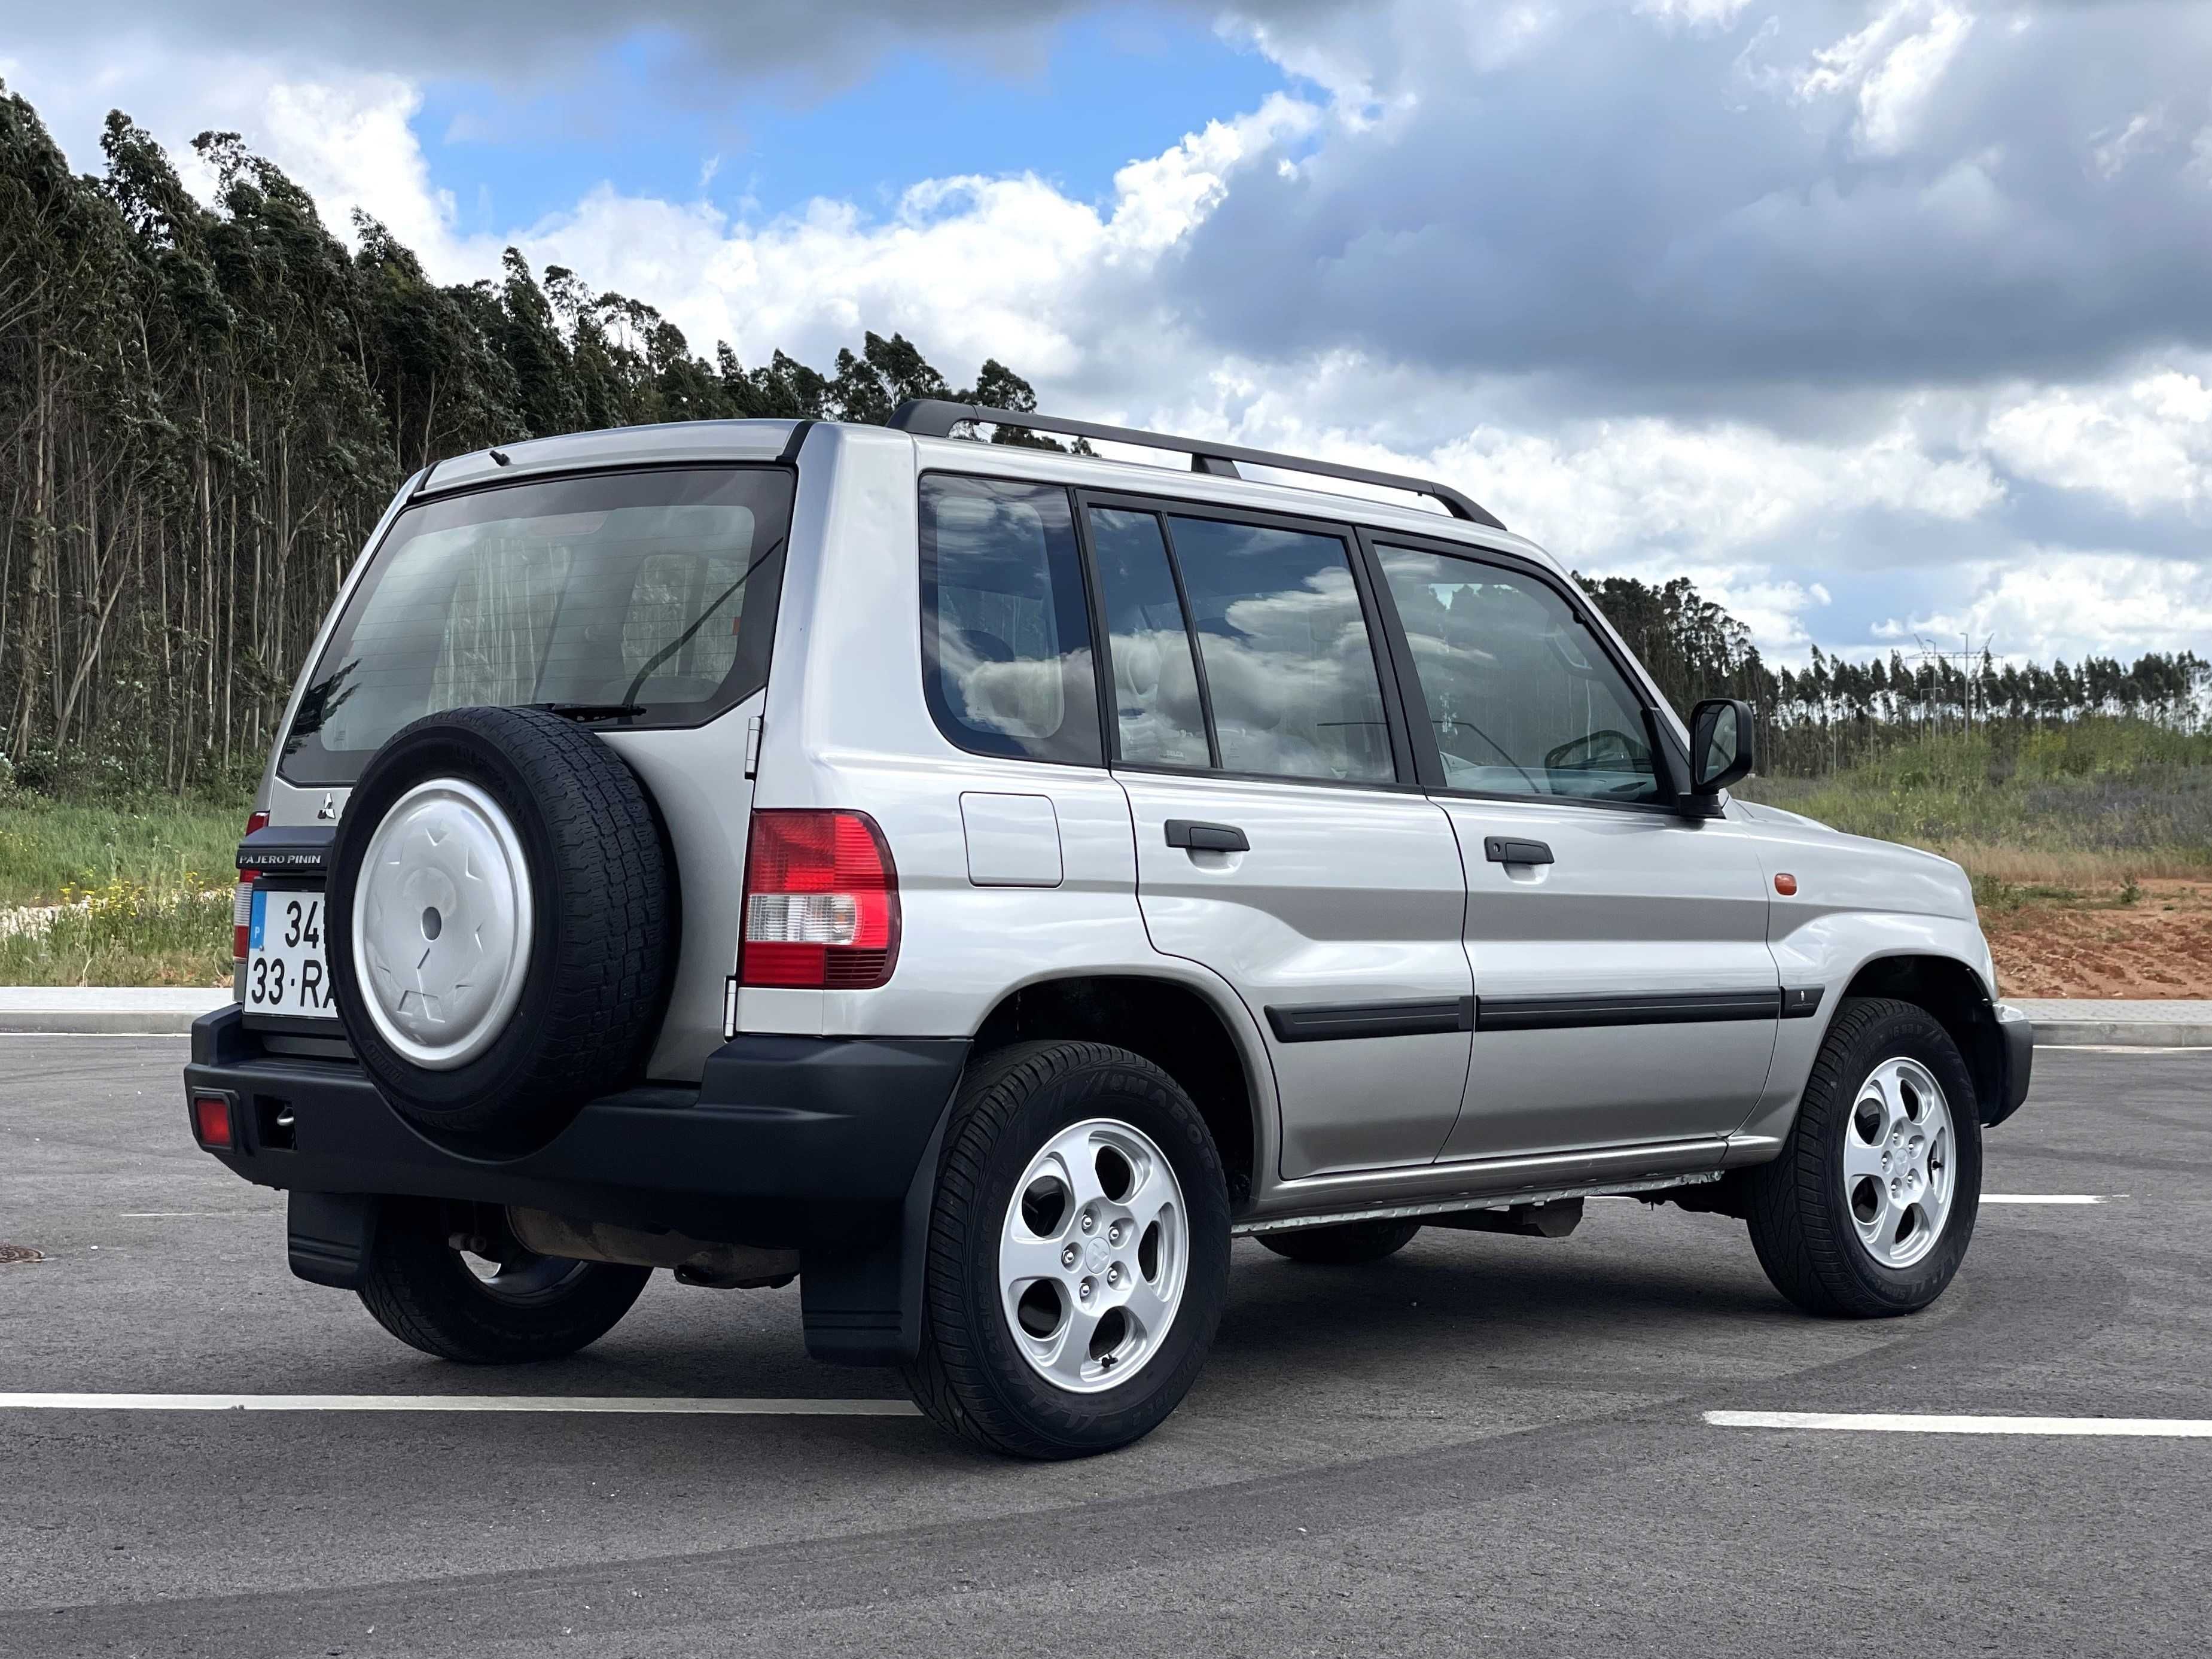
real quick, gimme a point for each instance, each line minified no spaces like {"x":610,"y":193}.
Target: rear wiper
{"x":589,"y":711}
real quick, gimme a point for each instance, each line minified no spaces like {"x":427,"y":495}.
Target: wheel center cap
{"x":1096,"y":1255}
{"x":441,"y":922}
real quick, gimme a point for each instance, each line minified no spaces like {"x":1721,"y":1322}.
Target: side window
{"x":1520,"y":697}
{"x":1005,"y":629}
{"x":1290,"y":673}
{"x":1157,"y":711}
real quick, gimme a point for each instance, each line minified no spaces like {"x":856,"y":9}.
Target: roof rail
{"x":935,"y":417}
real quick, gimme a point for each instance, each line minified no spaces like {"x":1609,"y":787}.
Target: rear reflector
{"x":211,"y":1121}
{"x":822,"y":908}
{"x":241,"y":908}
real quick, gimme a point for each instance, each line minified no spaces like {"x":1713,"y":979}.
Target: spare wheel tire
{"x":502,"y":923}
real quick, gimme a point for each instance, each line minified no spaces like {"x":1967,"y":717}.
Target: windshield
{"x":648,"y":598}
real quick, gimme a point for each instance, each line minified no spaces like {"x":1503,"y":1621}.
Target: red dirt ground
{"x":2159,"y":946}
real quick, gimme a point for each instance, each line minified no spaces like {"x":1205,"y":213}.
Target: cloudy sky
{"x":1879,"y":318}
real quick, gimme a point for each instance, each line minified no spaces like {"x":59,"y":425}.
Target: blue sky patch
{"x":650,"y":124}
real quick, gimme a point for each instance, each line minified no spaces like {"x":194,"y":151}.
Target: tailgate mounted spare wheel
{"x":502,"y":923}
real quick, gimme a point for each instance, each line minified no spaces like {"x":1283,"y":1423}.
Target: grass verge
{"x":165,"y":846}
{"x":122,"y":934}
{"x":125,"y":893}
{"x":2097,"y":805}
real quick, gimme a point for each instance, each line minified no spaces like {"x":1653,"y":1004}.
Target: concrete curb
{"x":75,"y":1011}
{"x":70,"y":1011}
{"x":2121,"y":1022}
{"x":2121,"y":1034}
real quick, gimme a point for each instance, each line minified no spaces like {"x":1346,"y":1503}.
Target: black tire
{"x":969,"y":1377}
{"x":424,"y":1292}
{"x":1347,"y":1244}
{"x":603,"y":916}
{"x":1799,"y":1212}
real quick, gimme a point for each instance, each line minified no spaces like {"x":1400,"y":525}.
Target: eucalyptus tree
{"x":206,"y":400}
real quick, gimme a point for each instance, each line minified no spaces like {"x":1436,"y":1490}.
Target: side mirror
{"x":1721,"y":746}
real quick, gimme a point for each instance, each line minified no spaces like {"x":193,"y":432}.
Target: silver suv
{"x":980,"y":880}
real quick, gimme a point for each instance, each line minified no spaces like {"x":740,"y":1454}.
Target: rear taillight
{"x":822,"y":908}
{"x":241,"y":908}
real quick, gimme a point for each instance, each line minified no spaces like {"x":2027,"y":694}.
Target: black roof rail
{"x":935,"y":417}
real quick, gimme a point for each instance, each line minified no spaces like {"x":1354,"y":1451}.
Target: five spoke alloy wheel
{"x":1869,"y":1209}
{"x":1077,"y":1252}
{"x":1093,"y":1255}
{"x":1899,"y":1174}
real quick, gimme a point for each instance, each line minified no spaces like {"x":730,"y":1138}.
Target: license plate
{"x":284,"y":969}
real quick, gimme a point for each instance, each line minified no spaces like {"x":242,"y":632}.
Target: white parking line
{"x":2045,"y":1198}
{"x":2152,"y":1048}
{"x":667,"y":1405}
{"x":2178,"y":1428}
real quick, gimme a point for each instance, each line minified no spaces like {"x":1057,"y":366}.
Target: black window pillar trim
{"x":1197,"y":648}
{"x":1423,"y":750}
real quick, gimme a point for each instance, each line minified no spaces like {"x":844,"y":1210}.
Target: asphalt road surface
{"x":1487,"y":1444}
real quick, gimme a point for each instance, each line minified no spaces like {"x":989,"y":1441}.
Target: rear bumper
{"x":826,"y":1144}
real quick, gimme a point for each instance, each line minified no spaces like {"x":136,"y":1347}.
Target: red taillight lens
{"x":822,"y":908}
{"x":211,"y":1121}
{"x":241,"y":910}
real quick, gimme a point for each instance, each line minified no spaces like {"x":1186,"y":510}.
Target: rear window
{"x":654,"y":589}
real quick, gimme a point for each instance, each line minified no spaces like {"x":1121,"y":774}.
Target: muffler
{"x":695,"y":1261}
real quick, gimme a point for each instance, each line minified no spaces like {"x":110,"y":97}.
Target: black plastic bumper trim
{"x":1673,"y":1008}
{"x":1333,"y":1022}
{"x":2019,"y":1067}
{"x":816,"y":1143}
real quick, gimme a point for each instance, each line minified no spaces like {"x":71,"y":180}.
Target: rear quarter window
{"x":1006,"y":655}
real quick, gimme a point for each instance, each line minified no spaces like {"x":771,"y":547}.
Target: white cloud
{"x":1893,"y":95}
{"x":2145,"y":443}
{"x":970,"y":267}
{"x":1892,"y":67}
{"x":1696,"y":14}
{"x":1601,"y":489}
{"x":2050,"y":603}
{"x":1779,"y":508}
{"x":2109,"y":156}
{"x":349,"y":143}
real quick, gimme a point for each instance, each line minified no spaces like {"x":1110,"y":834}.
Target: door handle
{"x":1511,"y":849}
{"x":1196,"y":837}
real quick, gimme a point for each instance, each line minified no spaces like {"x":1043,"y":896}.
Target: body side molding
{"x":1329,"y":1022}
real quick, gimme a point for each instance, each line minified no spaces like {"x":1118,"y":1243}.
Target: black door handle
{"x":1511,"y":849}
{"x":1206,"y":837}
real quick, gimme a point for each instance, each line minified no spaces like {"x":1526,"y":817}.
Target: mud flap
{"x":330,"y":1237}
{"x":862,"y":1305}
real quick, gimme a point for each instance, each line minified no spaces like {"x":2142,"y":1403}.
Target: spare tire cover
{"x":502,"y":922}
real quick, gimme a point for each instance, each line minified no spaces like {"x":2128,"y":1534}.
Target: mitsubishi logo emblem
{"x":329,"y":810}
